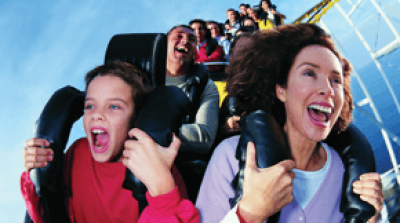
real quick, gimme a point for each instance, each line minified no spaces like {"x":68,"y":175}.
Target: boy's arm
{"x":32,"y":200}
{"x":171,"y":207}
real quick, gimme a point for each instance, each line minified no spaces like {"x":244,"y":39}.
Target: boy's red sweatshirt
{"x":95,"y":193}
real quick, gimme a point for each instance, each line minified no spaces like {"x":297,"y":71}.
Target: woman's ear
{"x":280,"y":93}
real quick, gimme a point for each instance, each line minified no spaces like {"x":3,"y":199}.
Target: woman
{"x":208,"y":49}
{"x":269,"y":18}
{"x":214,"y":29}
{"x":296,"y":74}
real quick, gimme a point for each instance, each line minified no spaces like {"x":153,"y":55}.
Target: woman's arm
{"x":216,"y":188}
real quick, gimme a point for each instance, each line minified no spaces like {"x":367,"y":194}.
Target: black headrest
{"x":146,"y":50}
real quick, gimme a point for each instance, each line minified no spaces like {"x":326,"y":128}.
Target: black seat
{"x":147,"y":51}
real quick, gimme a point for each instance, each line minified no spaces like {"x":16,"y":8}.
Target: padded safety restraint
{"x":147,"y":51}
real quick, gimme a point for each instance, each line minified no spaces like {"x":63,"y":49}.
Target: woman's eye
{"x":309,"y":73}
{"x":337,"y":80}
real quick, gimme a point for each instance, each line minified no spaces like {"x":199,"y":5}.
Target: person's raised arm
{"x":265,"y":191}
{"x":36,"y":154}
{"x":152,"y":164}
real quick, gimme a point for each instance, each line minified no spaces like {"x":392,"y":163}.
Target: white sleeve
{"x":231,"y":216}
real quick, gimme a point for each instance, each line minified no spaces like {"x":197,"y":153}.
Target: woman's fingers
{"x":374,"y":201}
{"x":369,"y":187}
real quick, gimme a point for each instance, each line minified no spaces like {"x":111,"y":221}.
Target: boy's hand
{"x":34,"y":155}
{"x":150,"y":162}
{"x":265,"y":191}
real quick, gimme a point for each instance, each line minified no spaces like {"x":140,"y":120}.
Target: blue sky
{"x":48,"y":44}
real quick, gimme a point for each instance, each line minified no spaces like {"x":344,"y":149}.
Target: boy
{"x":94,"y":167}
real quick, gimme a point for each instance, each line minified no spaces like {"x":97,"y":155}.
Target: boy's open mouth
{"x":101,"y":139}
{"x":320,"y":113}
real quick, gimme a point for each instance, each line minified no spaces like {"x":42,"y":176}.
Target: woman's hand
{"x":150,"y":162}
{"x":34,"y":155}
{"x":265,"y":191}
{"x":369,"y":187}
{"x":231,"y":125}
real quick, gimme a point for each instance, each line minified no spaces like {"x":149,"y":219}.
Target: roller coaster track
{"x":315,"y":13}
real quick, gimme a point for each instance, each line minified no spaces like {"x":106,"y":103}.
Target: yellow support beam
{"x":315,"y":13}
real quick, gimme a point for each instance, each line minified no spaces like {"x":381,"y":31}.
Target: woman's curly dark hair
{"x":265,"y":62}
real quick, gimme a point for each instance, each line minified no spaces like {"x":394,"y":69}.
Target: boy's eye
{"x":88,"y":107}
{"x":114,"y":107}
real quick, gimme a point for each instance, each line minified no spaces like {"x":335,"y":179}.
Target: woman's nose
{"x":325,"y":88}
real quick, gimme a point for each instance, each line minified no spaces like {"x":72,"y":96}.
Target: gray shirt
{"x":199,"y":136}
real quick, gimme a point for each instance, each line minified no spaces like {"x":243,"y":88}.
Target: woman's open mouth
{"x":320,"y":114}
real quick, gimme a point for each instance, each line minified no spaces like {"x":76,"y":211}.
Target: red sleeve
{"x":169,"y":208}
{"x":32,"y":201}
{"x":241,"y":219}
{"x":179,"y":182}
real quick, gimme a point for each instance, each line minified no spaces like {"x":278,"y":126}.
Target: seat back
{"x":165,"y":107}
{"x":145,"y":50}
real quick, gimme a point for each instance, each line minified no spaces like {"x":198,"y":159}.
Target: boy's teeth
{"x":98,"y":131}
{"x":327,"y":110}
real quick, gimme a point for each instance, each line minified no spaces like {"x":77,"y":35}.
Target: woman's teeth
{"x":327,"y":110}
{"x":319,"y":113}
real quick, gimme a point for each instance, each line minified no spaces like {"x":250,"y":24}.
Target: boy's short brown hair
{"x":130,"y":74}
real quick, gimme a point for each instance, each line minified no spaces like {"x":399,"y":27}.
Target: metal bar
{"x":390,"y":8}
{"x":384,"y":17}
{"x":354,"y":7}
{"x":216,"y":63}
{"x":378,"y":65}
{"x":394,"y":137}
{"x":388,"y":48}
{"x":375,"y":111}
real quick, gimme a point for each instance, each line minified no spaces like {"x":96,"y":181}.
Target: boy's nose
{"x":98,"y":115}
